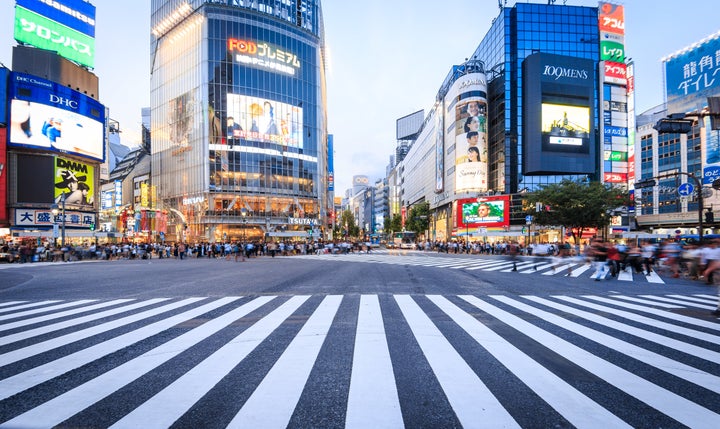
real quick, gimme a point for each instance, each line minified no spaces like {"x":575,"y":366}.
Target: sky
{"x":387,"y":59}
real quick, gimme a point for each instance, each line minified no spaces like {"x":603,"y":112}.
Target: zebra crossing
{"x":542,"y":266}
{"x":362,"y":361}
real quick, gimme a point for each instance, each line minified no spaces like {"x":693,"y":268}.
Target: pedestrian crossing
{"x":360,"y":361}
{"x":542,"y":266}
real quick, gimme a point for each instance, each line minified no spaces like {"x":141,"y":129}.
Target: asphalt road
{"x":400,"y":339}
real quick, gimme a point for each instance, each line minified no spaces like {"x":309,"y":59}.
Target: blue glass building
{"x":516,"y":34}
{"x":239,"y":140}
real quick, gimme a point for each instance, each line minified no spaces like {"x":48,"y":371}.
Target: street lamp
{"x":55,"y":210}
{"x":243,"y":213}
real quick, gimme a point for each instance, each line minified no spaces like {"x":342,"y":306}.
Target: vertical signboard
{"x":439,"y":150}
{"x":331,"y":162}
{"x":617,"y":138}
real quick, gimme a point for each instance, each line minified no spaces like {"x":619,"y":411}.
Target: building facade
{"x":239,"y":136}
{"x":534,"y":86}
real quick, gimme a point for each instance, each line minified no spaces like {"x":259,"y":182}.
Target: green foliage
{"x":418,"y":218}
{"x":395,"y":224}
{"x":576,"y":204}
{"x":347,"y":222}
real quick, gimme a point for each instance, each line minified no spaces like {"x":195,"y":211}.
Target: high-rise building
{"x":239,"y":138}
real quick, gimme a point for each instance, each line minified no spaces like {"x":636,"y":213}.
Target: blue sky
{"x":387,"y":59}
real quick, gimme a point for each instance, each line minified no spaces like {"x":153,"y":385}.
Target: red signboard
{"x":615,"y":177}
{"x":615,"y":73}
{"x":612,"y":18}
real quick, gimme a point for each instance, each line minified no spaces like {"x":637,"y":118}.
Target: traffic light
{"x":709,"y":217}
{"x":674,"y":126}
{"x":648,"y":183}
{"x":92,"y":226}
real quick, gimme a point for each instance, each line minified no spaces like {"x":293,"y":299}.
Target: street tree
{"x":576,"y":205}
{"x":347,"y":222}
{"x":418,"y":218}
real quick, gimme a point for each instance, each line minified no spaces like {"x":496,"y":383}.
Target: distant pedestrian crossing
{"x":543,"y":266}
{"x":362,"y":361}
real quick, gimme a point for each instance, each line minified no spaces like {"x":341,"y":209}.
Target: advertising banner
{"x":44,"y":217}
{"x":47,"y":115}
{"x":331,"y":162}
{"x":259,"y":119}
{"x":439,"y":151}
{"x":692,"y":76}
{"x":615,"y":73}
{"x":611,"y":18}
{"x":484,"y":212}
{"x":471,"y":146}
{"x":264,"y":56}
{"x":76,"y":14}
{"x":612,"y":51}
{"x":43,"y":33}
{"x":75,"y":182}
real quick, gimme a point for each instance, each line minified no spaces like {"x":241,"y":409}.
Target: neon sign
{"x":264,"y":56}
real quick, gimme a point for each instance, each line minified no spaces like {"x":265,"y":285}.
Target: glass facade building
{"x":239,"y":138}
{"x":517,"y":33}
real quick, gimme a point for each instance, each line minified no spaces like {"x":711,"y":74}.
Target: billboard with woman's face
{"x":471,"y":146}
{"x":259,"y":119}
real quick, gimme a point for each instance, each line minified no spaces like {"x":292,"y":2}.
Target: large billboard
{"x":692,"y":75}
{"x":263,"y":120}
{"x":76,"y":14}
{"x":74,"y":183}
{"x":484,"y":212}
{"x":47,"y":115}
{"x":558,"y":115}
{"x":37,"y":30}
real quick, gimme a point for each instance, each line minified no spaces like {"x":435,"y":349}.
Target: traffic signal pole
{"x":698,"y":186}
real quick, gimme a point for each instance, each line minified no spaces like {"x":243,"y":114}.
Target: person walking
{"x":599,"y":253}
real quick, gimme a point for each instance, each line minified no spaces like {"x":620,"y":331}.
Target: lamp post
{"x":55,"y":210}
{"x":243,"y":213}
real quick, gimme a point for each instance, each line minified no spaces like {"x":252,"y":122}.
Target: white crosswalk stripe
{"x":586,"y":361}
{"x":542,"y":266}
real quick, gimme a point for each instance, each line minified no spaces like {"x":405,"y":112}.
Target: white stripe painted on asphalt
{"x":684,"y":298}
{"x":10,"y":303}
{"x":654,"y":278}
{"x":577,"y":271}
{"x":72,"y":322}
{"x":172,"y":402}
{"x":663,"y":340}
{"x":47,"y":309}
{"x":677,"y":407}
{"x":32,"y":350}
{"x":45,"y":372}
{"x":683,"y":302}
{"x":646,"y":301}
{"x":48,"y":317}
{"x":62,"y":407}
{"x":537,"y":267}
{"x":665,"y":364}
{"x":462,"y":386}
{"x":656,"y":312}
{"x":372,"y":398}
{"x":273,"y":402}
{"x":24,"y":306}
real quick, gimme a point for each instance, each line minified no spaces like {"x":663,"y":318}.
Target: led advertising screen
{"x":565,"y":127}
{"x":484,"y":211}
{"x":76,"y":14}
{"x":44,"y":33}
{"x":558,"y":122}
{"x":471,"y":146}
{"x":46,"y":115}
{"x":259,"y":119}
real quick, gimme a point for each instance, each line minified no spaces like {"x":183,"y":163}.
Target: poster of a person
{"x":70,"y":184}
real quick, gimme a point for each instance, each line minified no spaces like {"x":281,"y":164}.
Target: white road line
{"x":665,"y":364}
{"x":373,"y":398}
{"x":45,"y":372}
{"x":163,"y":409}
{"x":463,"y":388}
{"x":683,"y":410}
{"x":646,"y":301}
{"x":572,"y":404}
{"x":273,"y":402}
{"x":47,"y":309}
{"x":37,"y":348}
{"x":683,"y":302}
{"x":62,"y":407}
{"x":693,"y":350}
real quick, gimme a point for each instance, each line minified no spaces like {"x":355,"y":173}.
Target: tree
{"x":418,"y":218}
{"x":347,"y":222}
{"x":576,"y":205}
{"x":395,"y":224}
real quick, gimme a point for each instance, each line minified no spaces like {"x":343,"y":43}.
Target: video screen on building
{"x":46,"y":115}
{"x":565,"y":127}
{"x":259,"y":119}
{"x":484,"y":211}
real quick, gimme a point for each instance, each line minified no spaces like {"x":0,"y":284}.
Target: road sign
{"x":528,"y":219}
{"x":686,"y":189}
